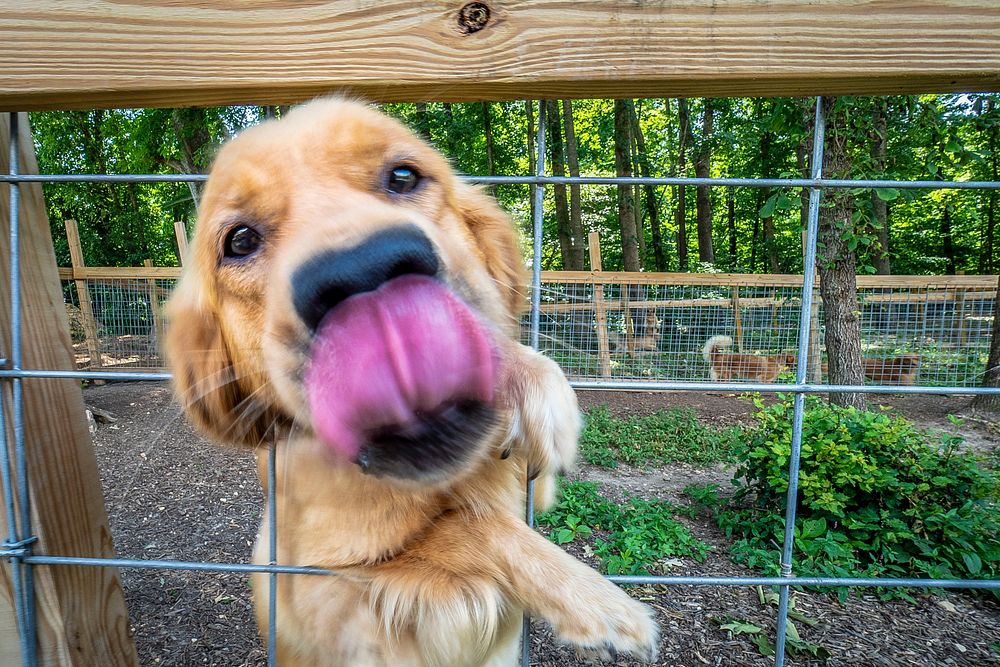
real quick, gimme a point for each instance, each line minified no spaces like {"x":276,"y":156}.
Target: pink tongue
{"x":380,"y":358}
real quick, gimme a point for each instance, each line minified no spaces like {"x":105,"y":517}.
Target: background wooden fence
{"x":612,"y":325}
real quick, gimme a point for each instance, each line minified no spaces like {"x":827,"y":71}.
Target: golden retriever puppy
{"x":352,"y":303}
{"x":725,"y":366}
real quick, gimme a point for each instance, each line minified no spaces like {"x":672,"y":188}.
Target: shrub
{"x":628,"y":537}
{"x":877,"y":497}
{"x":665,"y":436}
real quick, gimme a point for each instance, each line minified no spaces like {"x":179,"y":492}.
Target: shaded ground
{"x":172,"y":495}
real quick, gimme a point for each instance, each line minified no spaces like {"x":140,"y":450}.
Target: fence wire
{"x":623,"y":336}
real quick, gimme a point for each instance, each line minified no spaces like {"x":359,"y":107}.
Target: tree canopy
{"x":742,"y":229}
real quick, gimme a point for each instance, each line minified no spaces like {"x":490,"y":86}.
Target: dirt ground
{"x":172,"y":495}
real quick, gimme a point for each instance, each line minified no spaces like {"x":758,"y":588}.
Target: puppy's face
{"x":343,"y":283}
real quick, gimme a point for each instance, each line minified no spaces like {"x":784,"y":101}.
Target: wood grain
{"x":108,"y":53}
{"x":81,"y":611}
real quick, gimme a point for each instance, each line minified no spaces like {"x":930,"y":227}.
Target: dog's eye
{"x":402,"y":180}
{"x":242,"y":241}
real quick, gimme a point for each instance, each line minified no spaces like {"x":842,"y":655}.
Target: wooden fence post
{"x":90,"y":329}
{"x":600,"y":313}
{"x":737,"y":317}
{"x":180,"y":233}
{"x":82,"y":619}
{"x":153,"y":291}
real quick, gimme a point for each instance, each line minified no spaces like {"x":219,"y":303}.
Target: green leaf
{"x":738,"y":627}
{"x":887,"y":194}
{"x":973,"y":563}
{"x":767,"y":210}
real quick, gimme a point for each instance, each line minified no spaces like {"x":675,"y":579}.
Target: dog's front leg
{"x":585,"y":610}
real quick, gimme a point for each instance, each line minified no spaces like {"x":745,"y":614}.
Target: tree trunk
{"x":451,"y":144}
{"x":570,"y":247}
{"x":191,"y":129}
{"x":837,"y":265}
{"x":986,"y":263}
{"x":770,"y":248}
{"x":734,"y":260}
{"x":702,"y":169}
{"x":573,"y":165}
{"x":948,"y":245}
{"x":652,"y":206}
{"x":880,"y":208}
{"x":683,"y":132}
{"x":488,"y":133}
{"x":626,"y":203}
{"x":423,"y":121}
{"x":991,"y":376}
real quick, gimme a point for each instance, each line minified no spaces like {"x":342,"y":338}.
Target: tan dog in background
{"x":901,"y":370}
{"x":725,"y":366}
{"x":349,"y":300}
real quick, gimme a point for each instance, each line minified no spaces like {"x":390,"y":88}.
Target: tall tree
{"x":491,"y":168}
{"x":702,"y":169}
{"x":573,"y":165}
{"x":880,"y":207}
{"x":571,"y":246}
{"x":529,"y":113}
{"x":652,"y":206}
{"x":683,"y":139}
{"x":837,"y":261}
{"x":626,"y":202}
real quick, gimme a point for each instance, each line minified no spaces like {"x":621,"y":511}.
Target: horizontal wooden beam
{"x":61,"y":54}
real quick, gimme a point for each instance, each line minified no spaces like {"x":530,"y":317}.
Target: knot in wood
{"x":473,"y":17}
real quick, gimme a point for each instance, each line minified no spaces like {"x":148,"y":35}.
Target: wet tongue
{"x":381,"y":358}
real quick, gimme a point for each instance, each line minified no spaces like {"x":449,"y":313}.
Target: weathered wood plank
{"x":81,"y":611}
{"x":90,"y":53}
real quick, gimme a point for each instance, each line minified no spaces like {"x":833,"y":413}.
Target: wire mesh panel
{"x":625,"y":332}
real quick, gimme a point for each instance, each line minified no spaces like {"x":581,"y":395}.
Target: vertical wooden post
{"x":90,"y":329}
{"x":180,"y":233}
{"x":153,"y":292}
{"x":82,"y":619}
{"x":600,"y":312}
{"x":737,"y":317}
{"x":815,"y":358}
{"x":960,"y":314}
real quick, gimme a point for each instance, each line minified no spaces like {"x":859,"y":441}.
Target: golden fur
{"x":725,"y":366}
{"x":430,"y":573}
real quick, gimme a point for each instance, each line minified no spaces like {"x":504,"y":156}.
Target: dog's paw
{"x":619,"y":625}
{"x":544,"y":417}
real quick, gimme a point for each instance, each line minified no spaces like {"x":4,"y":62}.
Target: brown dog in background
{"x":725,"y":366}
{"x":349,"y":301}
{"x":901,"y":370}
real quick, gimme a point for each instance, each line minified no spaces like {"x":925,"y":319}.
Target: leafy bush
{"x":877,"y":497}
{"x":628,"y":537}
{"x":665,"y":436}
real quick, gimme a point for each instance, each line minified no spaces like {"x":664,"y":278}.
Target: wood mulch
{"x":172,"y":495}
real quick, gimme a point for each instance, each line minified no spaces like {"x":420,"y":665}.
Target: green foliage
{"x":877,"y":497}
{"x":666,"y":436}
{"x":629,"y":537}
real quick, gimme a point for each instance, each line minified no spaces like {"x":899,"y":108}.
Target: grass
{"x":629,"y":537}
{"x":666,"y":436}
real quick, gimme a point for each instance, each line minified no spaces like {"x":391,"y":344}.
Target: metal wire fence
{"x":787,"y":321}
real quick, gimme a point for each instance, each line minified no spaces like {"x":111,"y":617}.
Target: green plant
{"x":877,"y":497}
{"x":665,"y":436}
{"x":628,"y":537}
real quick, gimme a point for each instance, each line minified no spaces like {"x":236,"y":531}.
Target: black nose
{"x":330,"y":277}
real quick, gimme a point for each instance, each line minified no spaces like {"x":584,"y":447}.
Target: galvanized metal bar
{"x":564,"y":180}
{"x":272,"y":555}
{"x":798,"y":414}
{"x":24,"y":536}
{"x":538,"y":195}
{"x":249,"y":568}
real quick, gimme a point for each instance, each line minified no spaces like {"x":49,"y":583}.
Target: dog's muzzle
{"x":401,"y":372}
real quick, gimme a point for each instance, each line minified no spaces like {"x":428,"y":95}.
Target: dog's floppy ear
{"x":499,"y":243}
{"x":214,"y":390}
